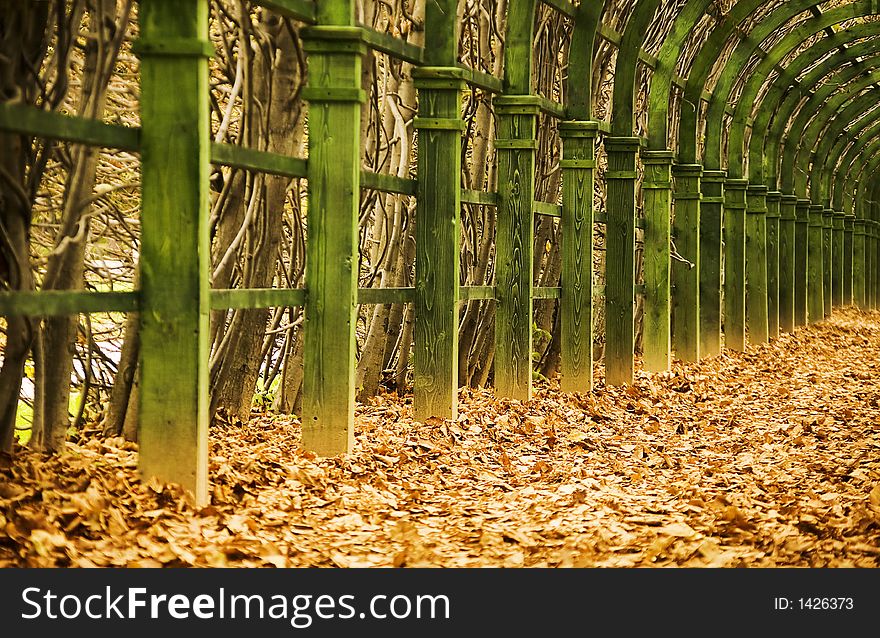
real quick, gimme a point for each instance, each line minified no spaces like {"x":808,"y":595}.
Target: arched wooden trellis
{"x":764,"y":184}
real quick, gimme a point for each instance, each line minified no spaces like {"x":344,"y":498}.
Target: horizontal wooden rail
{"x":481,"y":198}
{"x":540,"y":292}
{"x":482,"y":80}
{"x":393,"y":46}
{"x":225,"y":299}
{"x":261,"y":161}
{"x":476,"y":293}
{"x":564,"y":7}
{"x":368,"y":296}
{"x":34,"y":121}
{"x":547,"y":209}
{"x":303,"y":10}
{"x":388,"y":183}
{"x":55,"y":303}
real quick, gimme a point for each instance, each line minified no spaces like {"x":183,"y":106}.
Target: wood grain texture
{"x":802,"y":210}
{"x":734,"y":264}
{"x":827,"y":259}
{"x":576,"y":302}
{"x":332,"y":248}
{"x":711,"y":214}
{"x":773,"y":231}
{"x":619,"y":259}
{"x":174,"y":250}
{"x":787,"y":263}
{"x":848,"y":225}
{"x":757,"y":322}
{"x":686,"y":276}
{"x":656,"y":326}
{"x":815,"y":266}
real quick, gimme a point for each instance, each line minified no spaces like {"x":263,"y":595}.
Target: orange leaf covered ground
{"x":766,"y":458}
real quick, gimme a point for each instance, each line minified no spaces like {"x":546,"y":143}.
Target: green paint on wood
{"x":711,"y":213}
{"x":619,"y":258}
{"x":656,"y":324}
{"x":827,"y":258}
{"x":815,"y":266}
{"x":802,"y":210}
{"x":576,"y":306}
{"x":58,"y":303}
{"x":773,"y":238}
{"x":174,"y":249}
{"x":516,"y":144}
{"x":332,"y":249}
{"x":34,"y":121}
{"x":757,"y":322}
{"x":787,"y":267}
{"x":734,"y":264}
{"x":848,"y":225}
{"x":438,"y":226}
{"x":837,"y":259}
{"x":686,"y":300}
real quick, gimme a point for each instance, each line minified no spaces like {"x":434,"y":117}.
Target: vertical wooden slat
{"x":802,"y":213}
{"x":787,"y":262}
{"x":620,"y":259}
{"x":335,"y":101}
{"x":827,"y":258}
{"x":848,"y":227}
{"x":686,"y":300}
{"x":656,"y":322}
{"x":815,"y":266}
{"x":773,"y":231}
{"x":757,"y":321}
{"x":711,"y":213}
{"x":859,"y":265}
{"x":174,"y":248}
{"x":516,"y":145}
{"x":734,"y":264}
{"x":438,"y":214}
{"x":576,"y":300}
{"x":837,"y":259}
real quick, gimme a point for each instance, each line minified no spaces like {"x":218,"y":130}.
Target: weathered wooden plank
{"x":516,"y":146}
{"x":576,"y":300}
{"x":711,"y":213}
{"x":69,"y":128}
{"x":656,"y":325}
{"x":787,"y":267}
{"x":546,"y":292}
{"x":55,"y":303}
{"x":378,"y":296}
{"x":438,"y":227}
{"x":335,"y":102}
{"x":801,"y":257}
{"x":482,"y":80}
{"x":837,"y":259}
{"x":476,"y":293}
{"x":686,"y":300}
{"x":827,"y":259}
{"x":774,"y":199}
{"x":388,"y":183}
{"x":232,"y":298}
{"x":175,"y":247}
{"x":619,"y":258}
{"x":254,"y":160}
{"x":847,"y":285}
{"x":393,"y":46}
{"x":547,"y":209}
{"x":481,"y":198}
{"x":734,"y":264}
{"x":757,"y":321}
{"x":815,"y":266}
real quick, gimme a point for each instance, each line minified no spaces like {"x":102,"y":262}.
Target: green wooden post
{"x":859,"y":266}
{"x":620,"y":259}
{"x":438,"y":213}
{"x":576,"y":300}
{"x":756,"y":264}
{"x":734,"y":264}
{"x":848,"y":226}
{"x":802,"y":212}
{"x":837,"y":259}
{"x":815,"y":266}
{"x":686,"y":276}
{"x":774,"y":199}
{"x":516,"y":145}
{"x":827,"y":258}
{"x":787,"y":268}
{"x":335,"y":101}
{"x":175,"y":243}
{"x":871,"y":262}
{"x":657,"y":189}
{"x":711,"y":214}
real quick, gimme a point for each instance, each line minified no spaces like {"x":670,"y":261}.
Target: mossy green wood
{"x":686,"y":300}
{"x":516,"y":145}
{"x":787,"y":264}
{"x":174,"y":247}
{"x":711,"y":215}
{"x":757,"y":321}
{"x":576,"y":302}
{"x":859,"y":244}
{"x":801,"y":242}
{"x":827,"y":258}
{"x":815,"y":266}
{"x":837,"y":259}
{"x":619,"y":258}
{"x":774,"y":228}
{"x":56,"y":126}
{"x":656,"y":327}
{"x":583,"y":40}
{"x":58,"y":303}
{"x":847,"y":285}
{"x":435,"y":389}
{"x":734,"y":264}
{"x":335,"y":100}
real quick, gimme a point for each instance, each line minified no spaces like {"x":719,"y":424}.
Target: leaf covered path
{"x":766,"y":458}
